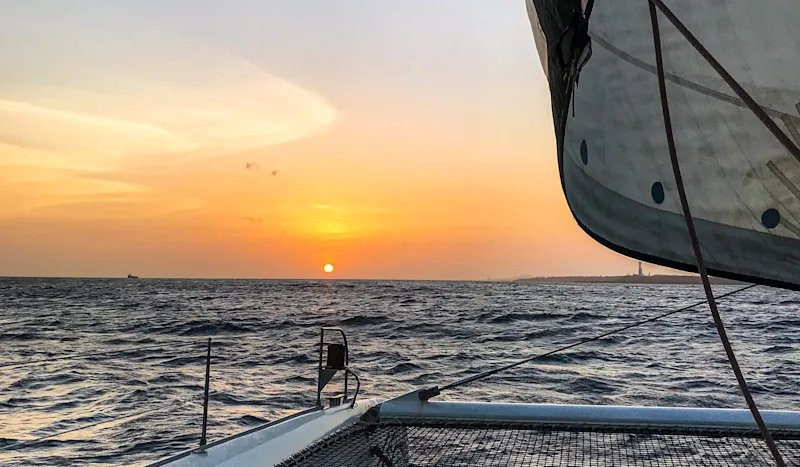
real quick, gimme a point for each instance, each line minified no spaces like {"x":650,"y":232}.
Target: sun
{"x":328,"y":268}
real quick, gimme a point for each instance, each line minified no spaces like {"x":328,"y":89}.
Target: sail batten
{"x":741,"y":172}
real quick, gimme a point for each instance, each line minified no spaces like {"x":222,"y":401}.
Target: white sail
{"x":742,"y":183}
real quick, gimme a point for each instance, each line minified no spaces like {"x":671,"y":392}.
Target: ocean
{"x":133,"y":393}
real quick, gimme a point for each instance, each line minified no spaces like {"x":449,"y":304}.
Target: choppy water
{"x":402,"y":335}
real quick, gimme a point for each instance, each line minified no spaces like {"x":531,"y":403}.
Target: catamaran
{"x":677,"y":127}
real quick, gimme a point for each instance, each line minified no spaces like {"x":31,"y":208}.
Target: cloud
{"x":50,"y":137}
{"x":116,"y":94}
{"x":118,"y":89}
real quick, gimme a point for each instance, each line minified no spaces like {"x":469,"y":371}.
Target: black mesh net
{"x":448,"y":444}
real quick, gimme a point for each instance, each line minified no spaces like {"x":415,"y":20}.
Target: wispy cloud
{"x":52,"y":137}
{"x":127,"y":95}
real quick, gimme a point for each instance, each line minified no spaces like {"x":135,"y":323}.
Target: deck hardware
{"x":337,"y":359}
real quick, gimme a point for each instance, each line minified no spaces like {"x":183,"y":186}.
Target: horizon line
{"x":488,"y":279}
{"x":251,"y":278}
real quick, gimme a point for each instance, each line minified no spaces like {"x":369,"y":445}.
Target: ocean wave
{"x":362,"y":320}
{"x":20,"y":336}
{"x":592,"y":385}
{"x":198,"y":328}
{"x":251,"y":420}
{"x":555,"y":331}
{"x":402,"y":335}
{"x":583,"y":316}
{"x":8,"y":441}
{"x":404,"y":367}
{"x":183,"y":361}
{"x":299,"y":358}
{"x":421,"y":326}
{"x":509,"y":317}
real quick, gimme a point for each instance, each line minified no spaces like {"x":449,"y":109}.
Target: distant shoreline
{"x":654,"y":279}
{"x":664,"y":279}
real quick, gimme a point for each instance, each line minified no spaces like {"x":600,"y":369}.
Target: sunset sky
{"x":408,"y":140}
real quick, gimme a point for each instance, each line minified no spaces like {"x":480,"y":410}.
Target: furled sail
{"x":742,"y":183}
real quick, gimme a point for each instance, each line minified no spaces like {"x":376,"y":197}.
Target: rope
{"x":687,"y":214}
{"x":96,"y":354}
{"x":20,"y":444}
{"x":730,"y":81}
{"x":584,"y":341}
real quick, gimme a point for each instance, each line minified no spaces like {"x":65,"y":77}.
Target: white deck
{"x":275,"y":442}
{"x":271,"y":443}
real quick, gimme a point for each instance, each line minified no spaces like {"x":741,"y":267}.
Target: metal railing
{"x":333,"y":365}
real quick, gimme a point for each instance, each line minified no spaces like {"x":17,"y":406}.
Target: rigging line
{"x":734,"y":85}
{"x":584,"y":341}
{"x":687,"y":214}
{"x":686,"y":83}
{"x":99,"y":353}
{"x":20,"y":444}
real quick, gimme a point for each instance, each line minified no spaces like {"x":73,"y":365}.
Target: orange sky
{"x":228,"y":142}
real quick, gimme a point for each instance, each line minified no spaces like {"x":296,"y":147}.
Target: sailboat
{"x":677,"y":128}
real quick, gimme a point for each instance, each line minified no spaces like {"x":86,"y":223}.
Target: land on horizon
{"x":665,"y":279}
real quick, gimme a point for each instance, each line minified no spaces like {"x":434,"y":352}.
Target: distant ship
{"x":131,"y":276}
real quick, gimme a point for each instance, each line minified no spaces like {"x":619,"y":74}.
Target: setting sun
{"x":191,"y":156}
